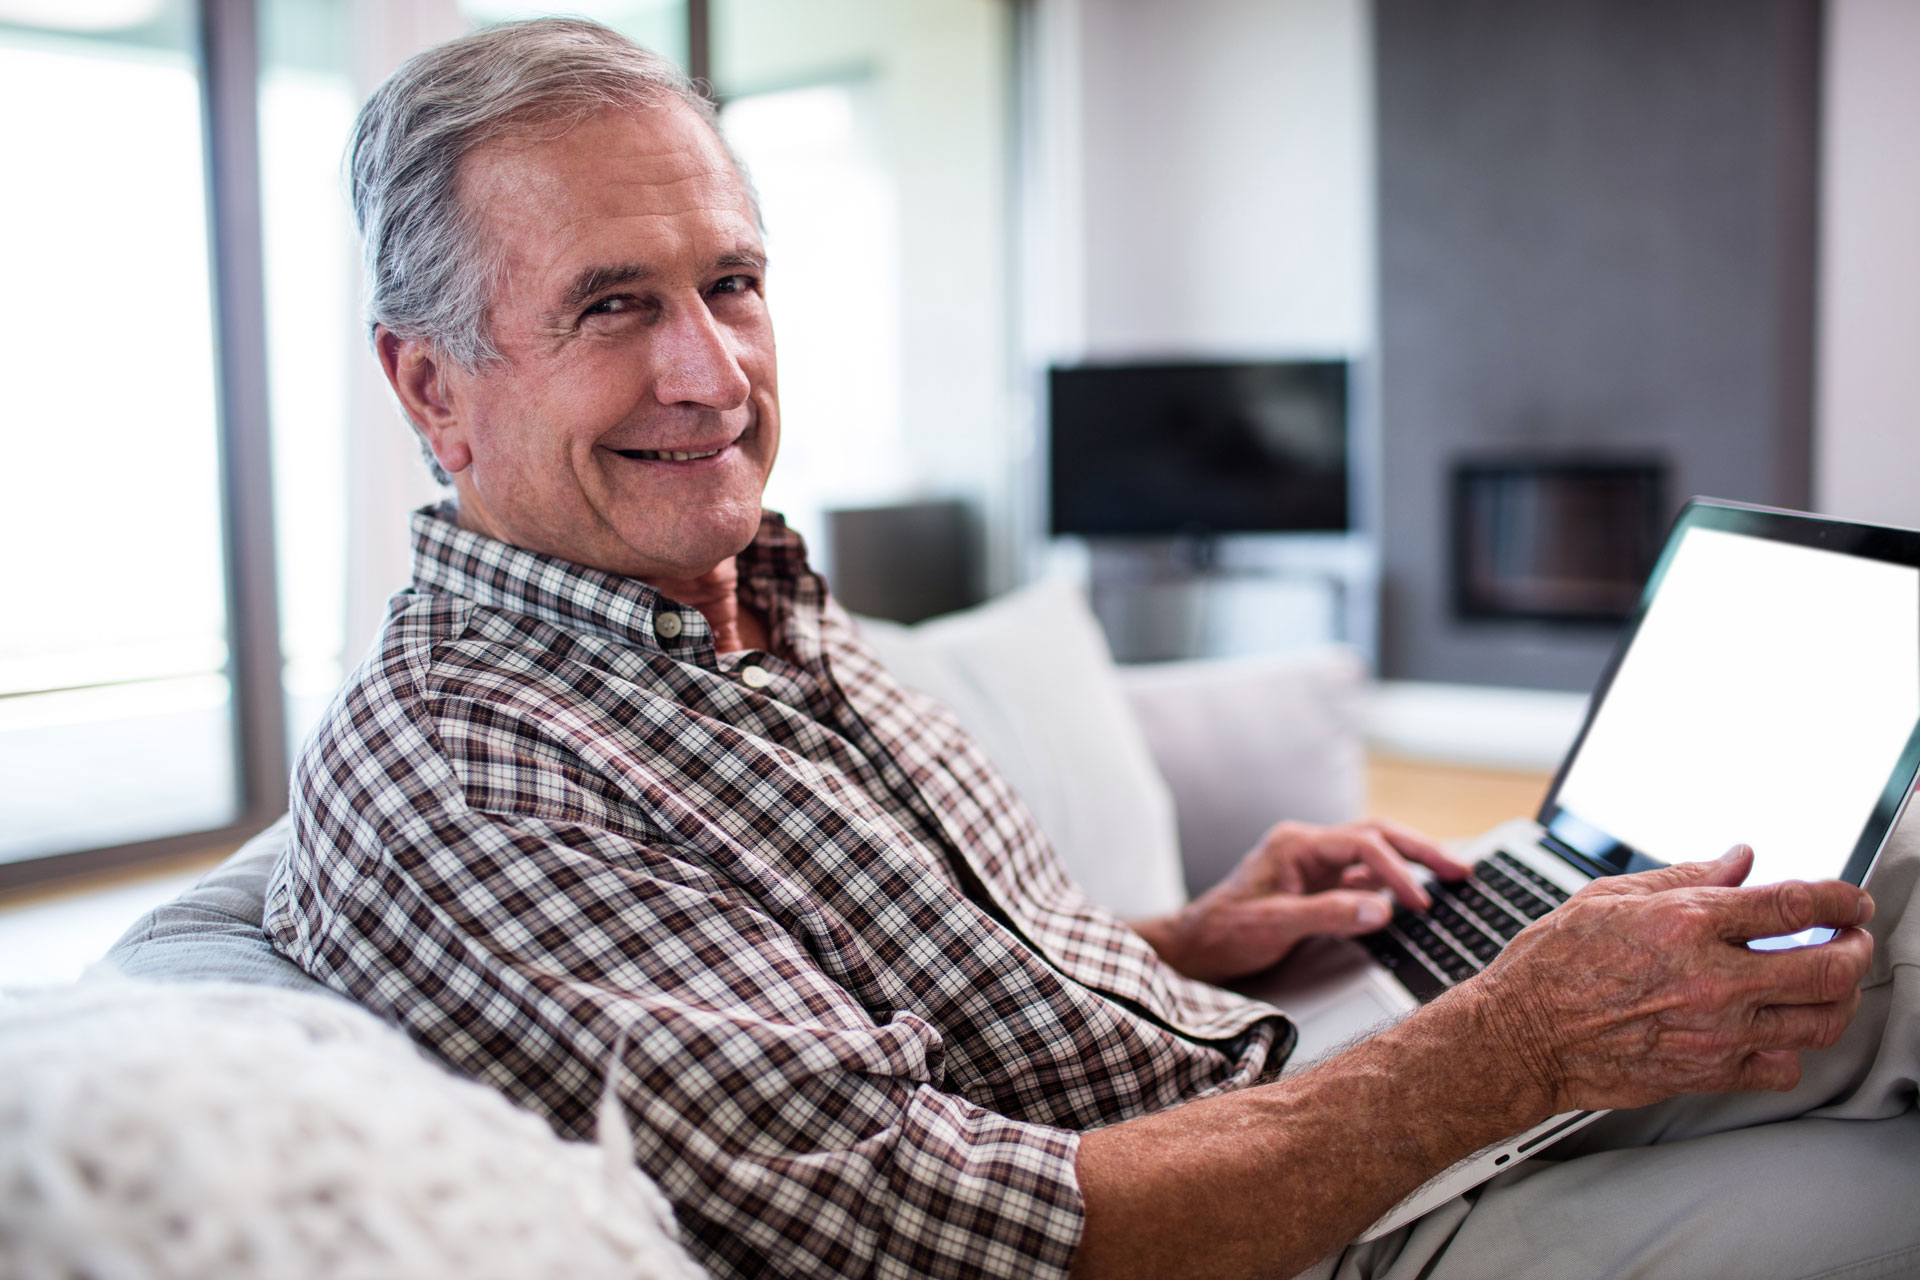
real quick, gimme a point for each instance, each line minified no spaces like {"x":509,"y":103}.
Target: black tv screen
{"x":1200,"y":449}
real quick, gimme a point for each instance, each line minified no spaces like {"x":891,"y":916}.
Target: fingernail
{"x":1371,"y":912}
{"x":1734,"y":852}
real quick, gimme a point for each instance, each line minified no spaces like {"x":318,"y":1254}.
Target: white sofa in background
{"x":1151,"y":781}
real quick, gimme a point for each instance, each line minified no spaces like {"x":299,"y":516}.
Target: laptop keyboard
{"x":1467,"y":925}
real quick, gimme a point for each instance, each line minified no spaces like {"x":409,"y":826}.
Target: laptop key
{"x":1523,"y":900}
{"x":1445,"y":954}
{"x":1457,"y":967}
{"x":1483,"y":948}
{"x":1540,"y":884}
{"x":1465,"y":935}
{"x":1500,"y":920}
{"x":1463,"y":927}
{"x":1419,"y":978}
{"x":1532,"y":879}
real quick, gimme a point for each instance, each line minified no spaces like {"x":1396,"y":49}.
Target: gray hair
{"x":429,"y":271}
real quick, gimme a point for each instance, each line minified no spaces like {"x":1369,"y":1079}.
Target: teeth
{"x":666,"y":455}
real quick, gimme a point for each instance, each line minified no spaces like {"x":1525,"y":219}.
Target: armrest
{"x":212,"y":932}
{"x":1246,"y":742}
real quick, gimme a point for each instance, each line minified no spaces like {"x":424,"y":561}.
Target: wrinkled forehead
{"x":548,"y":178}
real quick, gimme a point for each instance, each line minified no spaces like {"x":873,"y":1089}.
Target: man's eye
{"x":611,"y":306}
{"x":735,"y":284}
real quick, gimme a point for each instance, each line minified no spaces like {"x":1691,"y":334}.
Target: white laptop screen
{"x":1768,"y":694}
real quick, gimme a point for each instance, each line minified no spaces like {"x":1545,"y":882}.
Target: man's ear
{"x":417,"y":374}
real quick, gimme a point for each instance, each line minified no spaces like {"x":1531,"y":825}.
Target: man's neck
{"x":716,"y":594}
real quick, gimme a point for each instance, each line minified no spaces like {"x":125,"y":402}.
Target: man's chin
{"x":698,"y":547}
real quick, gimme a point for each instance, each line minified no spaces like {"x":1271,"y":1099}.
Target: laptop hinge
{"x":1581,"y":862}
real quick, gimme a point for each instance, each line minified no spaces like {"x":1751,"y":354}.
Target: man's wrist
{"x":1166,"y":935}
{"x":1480,"y":1020}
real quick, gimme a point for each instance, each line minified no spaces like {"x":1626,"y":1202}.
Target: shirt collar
{"x":454,"y":561}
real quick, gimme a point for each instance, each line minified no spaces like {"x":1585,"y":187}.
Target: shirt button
{"x":666,"y":625}
{"x":755,"y":676}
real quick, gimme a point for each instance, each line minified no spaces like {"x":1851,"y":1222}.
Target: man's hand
{"x":1636,"y":989}
{"x":1300,"y":881}
{"x":1641,"y":987}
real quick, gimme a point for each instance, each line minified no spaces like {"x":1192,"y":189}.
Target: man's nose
{"x":697,"y":362}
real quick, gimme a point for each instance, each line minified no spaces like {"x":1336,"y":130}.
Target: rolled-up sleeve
{"x":811,"y":1168}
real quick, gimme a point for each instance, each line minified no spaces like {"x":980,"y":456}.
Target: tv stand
{"x":1207,"y":596}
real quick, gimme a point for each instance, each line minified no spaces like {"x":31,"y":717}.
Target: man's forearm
{"x":1267,"y":1180}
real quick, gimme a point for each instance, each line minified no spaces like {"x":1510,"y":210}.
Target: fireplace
{"x":1555,"y":539}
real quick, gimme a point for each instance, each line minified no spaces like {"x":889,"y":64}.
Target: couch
{"x":1151,"y":781}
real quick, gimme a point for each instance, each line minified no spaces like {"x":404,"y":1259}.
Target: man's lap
{"x":1800,"y":1198}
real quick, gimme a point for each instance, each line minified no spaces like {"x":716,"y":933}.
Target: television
{"x":1199,"y":448}
{"x":1556,"y":538}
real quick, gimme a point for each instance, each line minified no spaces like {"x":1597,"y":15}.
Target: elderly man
{"x":622,"y":801}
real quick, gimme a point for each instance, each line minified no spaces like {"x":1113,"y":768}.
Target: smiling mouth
{"x":667,"y":455}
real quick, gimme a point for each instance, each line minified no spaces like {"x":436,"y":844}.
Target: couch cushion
{"x":212,"y":932}
{"x":1247,"y":742}
{"x":1029,"y":675}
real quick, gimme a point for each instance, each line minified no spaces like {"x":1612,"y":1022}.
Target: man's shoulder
{"x":431,"y":638}
{"x":457,"y":693}
{"x":376,"y":738}
{"x":398,"y":668}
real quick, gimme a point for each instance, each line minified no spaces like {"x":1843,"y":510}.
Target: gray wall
{"x":1596,"y":232}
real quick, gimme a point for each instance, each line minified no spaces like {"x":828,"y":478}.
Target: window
{"x":878,"y":134}
{"x":116,"y":703}
{"x":835,"y":293}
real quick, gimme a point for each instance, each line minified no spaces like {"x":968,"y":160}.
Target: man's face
{"x":635,"y":333}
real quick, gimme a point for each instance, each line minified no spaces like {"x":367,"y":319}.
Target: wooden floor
{"x":1449,"y":801}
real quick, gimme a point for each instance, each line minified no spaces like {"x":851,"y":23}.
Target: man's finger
{"x":1811,"y":975}
{"x":1776,"y":1069}
{"x":1340,"y":912}
{"x":1776,"y":910}
{"x":1361,"y":876}
{"x":1804,"y":1026}
{"x":1420,"y":849}
{"x":1371,"y":848}
{"x":1730,"y":868}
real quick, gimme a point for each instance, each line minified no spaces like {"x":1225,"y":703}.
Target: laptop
{"x":1766,"y":691}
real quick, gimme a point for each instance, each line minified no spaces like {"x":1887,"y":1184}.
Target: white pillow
{"x":1029,"y":675}
{"x":192,"y":1131}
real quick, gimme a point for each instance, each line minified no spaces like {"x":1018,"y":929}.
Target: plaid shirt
{"x":862,"y":1015}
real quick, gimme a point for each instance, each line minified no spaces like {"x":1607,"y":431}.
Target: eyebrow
{"x":594,"y":279}
{"x":607,"y":276}
{"x":752,"y":259}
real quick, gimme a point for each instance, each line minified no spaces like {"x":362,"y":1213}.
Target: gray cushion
{"x":212,"y":932}
{"x":1246,"y":742}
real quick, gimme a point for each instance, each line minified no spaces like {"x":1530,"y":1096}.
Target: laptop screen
{"x":1766,"y":696}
